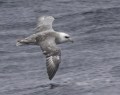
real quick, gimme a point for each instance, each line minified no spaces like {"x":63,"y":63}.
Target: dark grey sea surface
{"x":90,"y":66}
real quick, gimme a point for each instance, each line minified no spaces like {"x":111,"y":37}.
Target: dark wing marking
{"x":52,"y":53}
{"x":52,"y":63}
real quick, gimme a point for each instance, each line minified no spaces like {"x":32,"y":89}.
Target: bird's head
{"x":63,"y":37}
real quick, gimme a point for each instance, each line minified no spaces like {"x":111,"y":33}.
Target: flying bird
{"x":47,"y":39}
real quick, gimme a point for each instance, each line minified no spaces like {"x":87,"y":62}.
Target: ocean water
{"x":90,"y":66}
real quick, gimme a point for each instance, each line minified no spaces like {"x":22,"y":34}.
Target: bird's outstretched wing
{"x":52,"y":63}
{"x":52,"y":53}
{"x":44,"y":23}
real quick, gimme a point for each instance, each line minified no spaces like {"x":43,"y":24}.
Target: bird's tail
{"x":26,"y":41}
{"x":20,"y":42}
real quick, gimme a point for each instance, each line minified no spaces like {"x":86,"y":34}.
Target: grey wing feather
{"x":52,"y":64}
{"x":44,"y":23}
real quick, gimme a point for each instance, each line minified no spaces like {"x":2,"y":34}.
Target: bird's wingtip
{"x":50,"y":78}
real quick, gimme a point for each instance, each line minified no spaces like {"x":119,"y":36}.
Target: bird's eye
{"x":67,"y":37}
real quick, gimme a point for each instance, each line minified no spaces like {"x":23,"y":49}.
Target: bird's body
{"x":47,"y":39}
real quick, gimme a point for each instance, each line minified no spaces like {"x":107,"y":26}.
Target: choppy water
{"x":90,"y":66}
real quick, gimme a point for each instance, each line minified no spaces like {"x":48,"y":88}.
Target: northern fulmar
{"x":47,"y":39}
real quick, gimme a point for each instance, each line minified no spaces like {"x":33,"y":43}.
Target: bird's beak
{"x":71,"y":40}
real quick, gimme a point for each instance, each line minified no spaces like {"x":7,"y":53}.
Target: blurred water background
{"x":90,"y":66}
